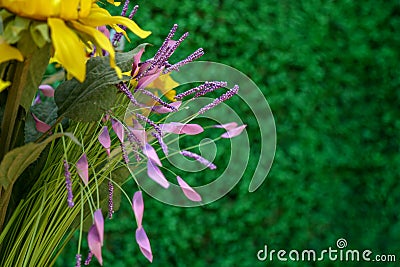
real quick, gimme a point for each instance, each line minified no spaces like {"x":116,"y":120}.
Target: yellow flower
{"x":7,"y":52}
{"x":73,"y":25}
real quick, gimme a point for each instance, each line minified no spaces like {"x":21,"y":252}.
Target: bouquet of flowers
{"x":78,"y":120}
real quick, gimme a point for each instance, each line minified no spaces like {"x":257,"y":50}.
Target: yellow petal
{"x":114,"y":3}
{"x":100,"y":39}
{"x":99,"y":17}
{"x":7,"y":52}
{"x":69,"y":50}
{"x":4,"y":85}
{"x":165,"y":84}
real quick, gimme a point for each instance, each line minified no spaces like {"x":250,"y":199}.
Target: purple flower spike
{"x":161,"y":142}
{"x":96,"y":235}
{"x":104,"y":139}
{"x":234,"y":132}
{"x":198,"y":158}
{"x":78,"y":258}
{"x":82,"y":168}
{"x":89,"y":258}
{"x":118,"y":129}
{"x":155,"y":173}
{"x":220,"y":99}
{"x":138,"y":207}
{"x":188,"y":190}
{"x":144,"y":243}
{"x":162,"y":109}
{"x":110,"y":199}
{"x":68,"y":184}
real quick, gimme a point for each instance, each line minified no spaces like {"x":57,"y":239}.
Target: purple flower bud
{"x":124,"y":89}
{"x":78,"y":260}
{"x":152,"y":123}
{"x":89,"y":258}
{"x":159,"y":100}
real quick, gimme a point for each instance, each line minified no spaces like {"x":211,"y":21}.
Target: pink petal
{"x":146,"y":80}
{"x":99,"y":223}
{"x":161,"y":109}
{"x":41,"y":126}
{"x":181,"y":128}
{"x":140,"y":134}
{"x":37,"y":100}
{"x":104,"y":139}
{"x":155,"y":173}
{"x":136,"y":61}
{"x":188,"y":191}
{"x":47,"y":90}
{"x":227,"y":126}
{"x":138,"y":207}
{"x":144,"y":243}
{"x":151,"y":154}
{"x":94,"y":243}
{"x":234,"y":132}
{"x":82,"y":168}
{"x":104,"y":30}
{"x":118,"y":129}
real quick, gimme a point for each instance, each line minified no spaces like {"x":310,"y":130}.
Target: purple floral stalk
{"x":124,"y":154}
{"x":89,"y":258}
{"x":199,"y":158}
{"x":161,"y":142}
{"x":78,"y":260}
{"x":159,"y":100}
{"x":68,"y":184}
{"x":124,"y":89}
{"x":135,"y":143}
{"x":210,"y":87}
{"x":196,"y":54}
{"x":117,"y":36}
{"x":220,"y":99}
{"x":110,"y":199}
{"x":152,"y":123}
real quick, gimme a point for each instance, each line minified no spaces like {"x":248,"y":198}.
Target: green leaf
{"x":13,"y":29}
{"x":18,"y":159}
{"x":87,"y":101}
{"x":40,"y":33}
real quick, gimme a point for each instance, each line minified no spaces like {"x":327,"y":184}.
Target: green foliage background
{"x":330,"y":72}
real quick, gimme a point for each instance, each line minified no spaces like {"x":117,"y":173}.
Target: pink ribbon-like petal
{"x":136,"y":61}
{"x":104,"y":139}
{"x":161,"y":109}
{"x":189,"y":192}
{"x":151,"y":154}
{"x":140,"y":134}
{"x":227,"y":126}
{"x":47,"y":90}
{"x":234,"y":132}
{"x":144,"y":243}
{"x":181,"y":128}
{"x":96,"y":235}
{"x":138,"y":207}
{"x":118,"y":129}
{"x":146,"y":80}
{"x":155,"y":173}
{"x":41,"y":126}
{"x":82,"y":168}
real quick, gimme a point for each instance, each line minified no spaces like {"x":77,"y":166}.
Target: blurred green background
{"x":330,"y":72}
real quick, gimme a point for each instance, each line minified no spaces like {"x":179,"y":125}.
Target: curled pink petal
{"x":161,"y":109}
{"x":99,"y":222}
{"x":47,"y":90}
{"x":155,"y":173}
{"x":151,"y":154}
{"x":94,"y":243}
{"x":227,"y":126}
{"x":96,"y":235}
{"x":181,"y":128}
{"x":188,"y":190}
{"x":136,"y":61}
{"x":138,"y":207}
{"x":82,"y":168}
{"x":118,"y":129}
{"x":144,"y":243}
{"x":41,"y":126}
{"x":37,"y":100}
{"x":104,"y":139}
{"x":234,"y":132}
{"x":146,"y":80}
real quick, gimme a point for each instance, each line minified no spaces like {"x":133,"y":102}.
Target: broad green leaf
{"x":18,"y":159}
{"x":87,"y":101}
{"x":46,"y":111}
